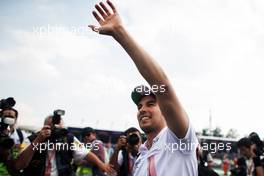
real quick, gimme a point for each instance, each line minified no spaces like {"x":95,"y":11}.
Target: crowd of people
{"x":25,"y":154}
{"x":171,"y":146}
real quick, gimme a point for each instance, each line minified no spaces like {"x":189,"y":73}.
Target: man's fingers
{"x":46,"y":127}
{"x":111,"y":5}
{"x":48,"y":131}
{"x":105,"y":8}
{"x":97,"y":17}
{"x":110,"y":169}
{"x":94,"y":28}
{"x":100,"y":10}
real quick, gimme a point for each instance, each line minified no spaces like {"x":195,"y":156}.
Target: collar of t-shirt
{"x":156,"y":145}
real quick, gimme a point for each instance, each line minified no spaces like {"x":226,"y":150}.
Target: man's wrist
{"x":119,"y":32}
{"x":36,"y":141}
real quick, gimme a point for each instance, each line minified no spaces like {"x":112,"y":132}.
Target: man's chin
{"x":147,"y":129}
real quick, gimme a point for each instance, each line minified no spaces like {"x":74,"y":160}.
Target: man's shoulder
{"x":98,"y":141}
{"x":190,"y":134}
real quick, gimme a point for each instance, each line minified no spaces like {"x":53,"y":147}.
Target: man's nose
{"x":142,"y":110}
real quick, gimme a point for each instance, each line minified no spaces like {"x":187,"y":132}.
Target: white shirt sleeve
{"x":187,"y":144}
{"x":79,"y":150}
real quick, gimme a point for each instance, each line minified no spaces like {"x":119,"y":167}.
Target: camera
{"x":5,"y":141}
{"x":7,"y":103}
{"x":57,"y":133}
{"x":133,"y":139}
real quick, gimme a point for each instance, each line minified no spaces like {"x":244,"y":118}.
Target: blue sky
{"x":212,"y":51}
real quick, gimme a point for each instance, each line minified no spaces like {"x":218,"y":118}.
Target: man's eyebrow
{"x":151,"y":101}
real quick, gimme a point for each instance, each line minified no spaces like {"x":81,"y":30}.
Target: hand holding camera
{"x":44,"y":133}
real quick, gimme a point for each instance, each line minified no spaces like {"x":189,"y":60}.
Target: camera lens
{"x":133,"y":139}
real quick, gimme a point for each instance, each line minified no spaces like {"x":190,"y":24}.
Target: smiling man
{"x":171,"y":141}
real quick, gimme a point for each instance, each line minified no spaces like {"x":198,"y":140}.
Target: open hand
{"x":109,"y":20}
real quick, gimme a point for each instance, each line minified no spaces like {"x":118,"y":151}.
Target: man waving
{"x":171,"y":141}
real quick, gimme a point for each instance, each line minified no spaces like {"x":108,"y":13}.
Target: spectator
{"x":225,"y":164}
{"x":90,"y":140}
{"x":253,"y":163}
{"x":108,"y":151}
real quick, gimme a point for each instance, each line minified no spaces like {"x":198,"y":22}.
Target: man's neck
{"x":151,"y":136}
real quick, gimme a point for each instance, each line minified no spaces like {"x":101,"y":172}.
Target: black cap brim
{"x":139,"y":92}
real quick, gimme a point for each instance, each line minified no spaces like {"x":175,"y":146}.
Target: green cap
{"x":139,"y":92}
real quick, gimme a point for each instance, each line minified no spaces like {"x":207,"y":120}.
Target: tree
{"x":232,"y":133}
{"x":206,"y":132}
{"x":217,"y":132}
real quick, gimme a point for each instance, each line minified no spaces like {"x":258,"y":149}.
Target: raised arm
{"x":110,"y":24}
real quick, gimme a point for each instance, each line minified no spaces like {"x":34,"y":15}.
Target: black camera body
{"x":7,"y":103}
{"x":5,"y":141}
{"x":57,"y":133}
{"x":133,"y":139}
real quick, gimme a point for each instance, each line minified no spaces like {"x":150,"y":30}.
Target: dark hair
{"x":12,"y":109}
{"x":244,"y":142}
{"x":87,"y":131}
{"x":131,"y":130}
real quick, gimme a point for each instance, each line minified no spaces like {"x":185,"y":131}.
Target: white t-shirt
{"x":79,"y":153}
{"x":168,"y":155}
{"x":132,"y":160}
{"x":15,"y":136}
{"x":120,"y":158}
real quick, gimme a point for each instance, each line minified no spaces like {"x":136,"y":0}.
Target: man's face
{"x":245,"y":151}
{"x":90,"y":137}
{"x":149,"y":116}
{"x":11,"y":114}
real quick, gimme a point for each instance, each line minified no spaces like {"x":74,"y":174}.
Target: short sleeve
{"x":187,"y":144}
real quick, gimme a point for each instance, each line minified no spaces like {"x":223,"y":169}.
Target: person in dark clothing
{"x":126,"y":152}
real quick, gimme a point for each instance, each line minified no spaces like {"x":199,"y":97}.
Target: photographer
{"x":252,"y":155}
{"x":16,"y":134}
{"x":6,"y":144}
{"x":7,"y":151}
{"x":240,"y":168}
{"x":53,"y":150}
{"x":126,"y":152}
